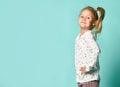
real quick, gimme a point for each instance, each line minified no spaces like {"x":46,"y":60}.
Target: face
{"x":86,"y":19}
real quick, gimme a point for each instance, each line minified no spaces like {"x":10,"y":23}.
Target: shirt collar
{"x":87,"y":32}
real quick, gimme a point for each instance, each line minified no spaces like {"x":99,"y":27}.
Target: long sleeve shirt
{"x":86,"y":54}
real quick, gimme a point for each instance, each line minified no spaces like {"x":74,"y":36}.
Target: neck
{"x":82,"y":31}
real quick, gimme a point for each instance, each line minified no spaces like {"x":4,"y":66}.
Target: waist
{"x":88,"y":81}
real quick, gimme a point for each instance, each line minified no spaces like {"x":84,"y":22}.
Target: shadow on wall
{"x":114,"y":79}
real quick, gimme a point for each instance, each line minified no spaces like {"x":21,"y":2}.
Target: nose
{"x":84,"y":19}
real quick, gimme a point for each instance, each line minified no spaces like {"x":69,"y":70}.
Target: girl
{"x":86,"y":48}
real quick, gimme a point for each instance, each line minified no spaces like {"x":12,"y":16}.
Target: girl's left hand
{"x":83,"y":69}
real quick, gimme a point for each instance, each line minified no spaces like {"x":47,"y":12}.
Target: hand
{"x":83,"y":69}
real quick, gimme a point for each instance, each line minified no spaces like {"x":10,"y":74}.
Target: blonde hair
{"x":98,"y":18}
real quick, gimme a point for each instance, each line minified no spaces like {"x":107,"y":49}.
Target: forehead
{"x":87,"y":12}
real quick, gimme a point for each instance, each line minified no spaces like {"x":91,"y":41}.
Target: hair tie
{"x":96,"y":9}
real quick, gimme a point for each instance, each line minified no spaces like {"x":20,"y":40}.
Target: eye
{"x":88,"y":17}
{"x":82,"y":16}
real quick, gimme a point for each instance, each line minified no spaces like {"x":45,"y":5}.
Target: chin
{"x":82,"y":26}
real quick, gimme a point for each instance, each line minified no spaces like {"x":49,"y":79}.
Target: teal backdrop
{"x":37,"y":42}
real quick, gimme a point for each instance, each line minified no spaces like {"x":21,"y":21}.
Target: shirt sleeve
{"x":93,"y":55}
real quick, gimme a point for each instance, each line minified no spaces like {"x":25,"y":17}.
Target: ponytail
{"x":98,"y":27}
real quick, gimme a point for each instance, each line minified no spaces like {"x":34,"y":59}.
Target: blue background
{"x":37,"y":42}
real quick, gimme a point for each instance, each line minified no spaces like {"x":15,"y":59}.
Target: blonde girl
{"x":86,"y":48}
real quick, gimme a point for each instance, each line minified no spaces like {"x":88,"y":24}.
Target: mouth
{"x":83,"y":22}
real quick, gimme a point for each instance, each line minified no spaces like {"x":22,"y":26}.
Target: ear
{"x":94,"y":23}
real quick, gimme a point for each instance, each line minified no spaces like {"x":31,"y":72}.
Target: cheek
{"x":90,"y":22}
{"x":79,"y":21}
